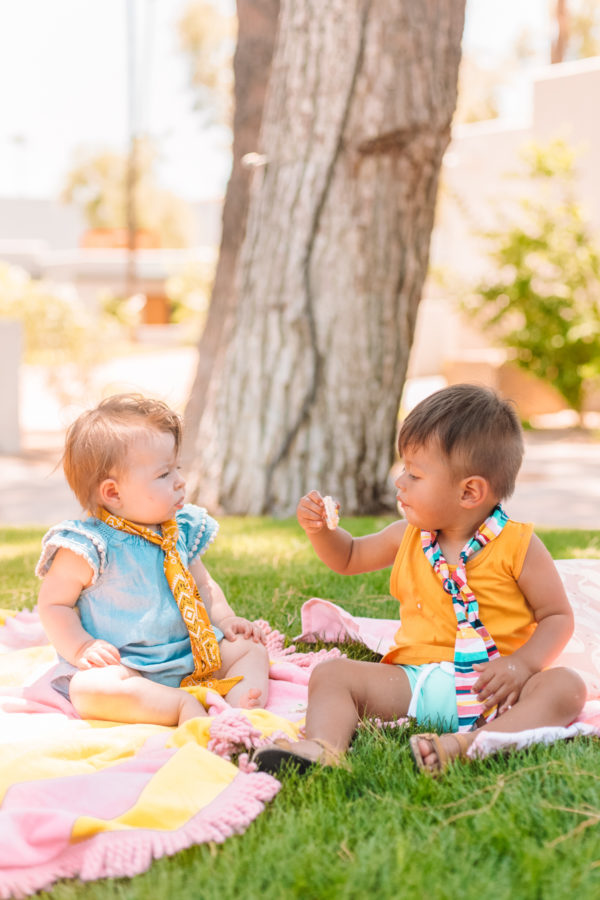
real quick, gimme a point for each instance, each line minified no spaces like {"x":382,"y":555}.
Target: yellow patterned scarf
{"x":205,"y":647}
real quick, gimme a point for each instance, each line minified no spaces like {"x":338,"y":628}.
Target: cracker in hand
{"x":331,"y":512}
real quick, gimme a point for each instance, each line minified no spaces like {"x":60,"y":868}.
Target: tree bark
{"x":356,"y":122}
{"x":561,"y":39}
{"x":257,"y":26}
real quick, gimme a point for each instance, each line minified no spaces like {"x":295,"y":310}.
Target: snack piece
{"x":331,"y":512}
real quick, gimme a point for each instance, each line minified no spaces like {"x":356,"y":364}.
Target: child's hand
{"x":97,"y":653}
{"x":311,"y":513}
{"x":501,"y":681}
{"x":236,"y":626}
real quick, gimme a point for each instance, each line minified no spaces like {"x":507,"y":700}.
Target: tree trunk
{"x":257,"y":26}
{"x":356,"y":122}
{"x":561,"y":38}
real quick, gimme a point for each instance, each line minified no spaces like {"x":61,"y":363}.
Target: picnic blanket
{"x":95,"y":799}
{"x":98,"y":799}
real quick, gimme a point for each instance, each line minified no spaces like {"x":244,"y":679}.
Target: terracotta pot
{"x":119,"y":238}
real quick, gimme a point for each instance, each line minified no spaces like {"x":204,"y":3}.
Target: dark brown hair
{"x":477,"y":431}
{"x":97,"y":442}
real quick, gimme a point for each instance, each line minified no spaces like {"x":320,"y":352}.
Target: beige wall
{"x":474,"y":190}
{"x":10,"y":357}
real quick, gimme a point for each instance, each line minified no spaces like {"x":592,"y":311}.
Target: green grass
{"x":520,"y":826}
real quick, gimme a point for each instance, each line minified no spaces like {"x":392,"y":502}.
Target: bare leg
{"x":551,"y":697}
{"x":120,"y":694}
{"x":251,"y":660}
{"x":341,"y":692}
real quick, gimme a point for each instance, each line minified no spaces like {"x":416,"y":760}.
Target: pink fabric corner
{"x":324,"y":620}
{"x":128,"y":853}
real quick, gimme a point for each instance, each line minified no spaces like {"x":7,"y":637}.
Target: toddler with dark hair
{"x":483,"y":609}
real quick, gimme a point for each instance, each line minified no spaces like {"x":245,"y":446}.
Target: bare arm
{"x":502,"y":680}
{"x":69,"y":574}
{"x":544,"y":591}
{"x":219,"y":611}
{"x":338,"y":549}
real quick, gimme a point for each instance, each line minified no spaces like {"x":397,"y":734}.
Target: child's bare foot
{"x":249,"y":700}
{"x":190,"y":708}
{"x":433,"y":752}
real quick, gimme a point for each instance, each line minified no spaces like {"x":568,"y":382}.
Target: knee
{"x":330,"y":673}
{"x":260,"y":653}
{"x":98,"y":678}
{"x":573,"y":692}
{"x":567,"y":691}
{"x":250,"y":649}
{"x":258,"y":649}
{"x":88,"y":684}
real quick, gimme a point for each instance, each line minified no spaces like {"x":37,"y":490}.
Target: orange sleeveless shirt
{"x":428,"y":623}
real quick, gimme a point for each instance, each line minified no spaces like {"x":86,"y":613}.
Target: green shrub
{"x":55,"y":323}
{"x":543,"y":299}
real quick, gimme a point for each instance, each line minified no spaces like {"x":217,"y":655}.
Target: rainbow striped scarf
{"x":473,"y":643}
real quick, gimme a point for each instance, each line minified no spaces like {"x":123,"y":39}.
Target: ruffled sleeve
{"x":78,"y":536}
{"x":196,"y":529}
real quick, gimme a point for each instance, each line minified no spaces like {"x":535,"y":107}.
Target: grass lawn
{"x":519,"y":827}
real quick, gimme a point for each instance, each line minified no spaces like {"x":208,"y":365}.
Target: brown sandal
{"x":443,"y":757}
{"x":273,"y":757}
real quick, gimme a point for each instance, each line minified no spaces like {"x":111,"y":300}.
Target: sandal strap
{"x":331,"y":756}
{"x":463,"y":742}
{"x":444,"y":758}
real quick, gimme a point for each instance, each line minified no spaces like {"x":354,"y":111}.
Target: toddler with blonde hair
{"x":136,"y":618}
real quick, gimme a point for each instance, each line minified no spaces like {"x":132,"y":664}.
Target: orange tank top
{"x":428,"y":624}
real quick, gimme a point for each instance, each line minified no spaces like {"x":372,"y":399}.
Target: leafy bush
{"x":97,"y":183}
{"x":189,"y":289}
{"x":57,"y":327}
{"x":543,"y":299}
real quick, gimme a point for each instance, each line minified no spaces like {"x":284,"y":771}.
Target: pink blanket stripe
{"x":37,"y":815}
{"x":128,"y":853}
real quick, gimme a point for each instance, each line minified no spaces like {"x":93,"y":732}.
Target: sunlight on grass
{"x":19,"y":553}
{"x":528,"y":822}
{"x":571,"y":543}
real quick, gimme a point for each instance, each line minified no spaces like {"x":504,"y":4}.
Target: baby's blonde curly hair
{"x":98,"y":441}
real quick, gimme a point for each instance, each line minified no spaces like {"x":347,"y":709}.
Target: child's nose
{"x":180,"y":480}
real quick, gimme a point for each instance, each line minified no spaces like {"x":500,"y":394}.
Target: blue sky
{"x":63,"y":75}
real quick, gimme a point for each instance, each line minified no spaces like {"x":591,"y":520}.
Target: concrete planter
{"x":11,"y":349}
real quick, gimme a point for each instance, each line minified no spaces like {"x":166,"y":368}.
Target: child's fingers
{"x":483,"y":678}
{"x":508,"y":703}
{"x":497,"y":692}
{"x":312,"y":504}
{"x":488,"y":690}
{"x":314,"y":497}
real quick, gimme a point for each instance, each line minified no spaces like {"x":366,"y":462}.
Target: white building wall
{"x":475,"y":189}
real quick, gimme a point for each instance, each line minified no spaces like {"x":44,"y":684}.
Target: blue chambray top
{"x":129,"y":602}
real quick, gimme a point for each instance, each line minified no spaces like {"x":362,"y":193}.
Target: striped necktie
{"x":473,"y":643}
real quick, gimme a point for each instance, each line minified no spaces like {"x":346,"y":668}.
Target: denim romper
{"x":129,"y":602}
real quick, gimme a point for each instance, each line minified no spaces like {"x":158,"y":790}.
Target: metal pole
{"x":131,"y":175}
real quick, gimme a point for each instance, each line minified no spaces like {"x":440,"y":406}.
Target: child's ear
{"x":474,"y":490}
{"x":108,"y":493}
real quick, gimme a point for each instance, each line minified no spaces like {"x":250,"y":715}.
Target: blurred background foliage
{"x":541,"y":299}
